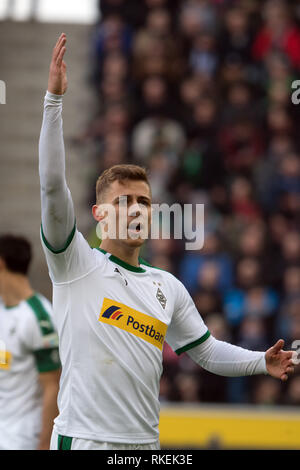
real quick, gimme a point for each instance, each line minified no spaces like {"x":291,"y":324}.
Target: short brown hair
{"x":119,"y":173}
{"x":16,"y":253}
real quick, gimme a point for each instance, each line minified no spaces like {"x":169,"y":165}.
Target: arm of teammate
{"x":225,"y":359}
{"x":58,"y":219}
{"x":50,"y":383}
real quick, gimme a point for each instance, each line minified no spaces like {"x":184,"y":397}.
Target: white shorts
{"x":74,"y":443}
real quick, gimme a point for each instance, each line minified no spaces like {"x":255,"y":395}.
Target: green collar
{"x":122,"y":263}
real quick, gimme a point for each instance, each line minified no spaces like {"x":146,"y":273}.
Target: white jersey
{"x":112,"y":320}
{"x":28,"y":346}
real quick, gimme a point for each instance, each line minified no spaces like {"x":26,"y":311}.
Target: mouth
{"x":138,"y":228}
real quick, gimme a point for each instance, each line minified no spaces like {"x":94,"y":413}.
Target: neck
{"x":129,"y":254}
{"x":16,"y":288}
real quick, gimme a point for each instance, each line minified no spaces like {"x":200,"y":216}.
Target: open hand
{"x":279,"y":363}
{"x":58,"y":82}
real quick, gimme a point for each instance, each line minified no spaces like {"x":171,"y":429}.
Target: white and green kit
{"x":112,"y":320}
{"x":29,"y":346}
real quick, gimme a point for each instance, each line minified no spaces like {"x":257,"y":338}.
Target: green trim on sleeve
{"x":193,"y":344}
{"x":68,"y":242}
{"x":41,"y":315}
{"x":47,"y":360}
{"x":64,"y":442}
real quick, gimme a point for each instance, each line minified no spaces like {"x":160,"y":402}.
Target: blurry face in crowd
{"x":116,"y":118}
{"x":205,"y":112}
{"x":278,"y":227}
{"x":190,"y":22}
{"x":241,"y":190}
{"x":252,"y":327}
{"x":278,"y":119}
{"x":292,"y":280}
{"x":112,"y":30}
{"x":280,"y":145}
{"x":115,"y":65}
{"x":239,"y":95}
{"x":154,"y":90}
{"x":252,"y":240}
{"x":204,"y":42}
{"x":276,"y":15}
{"x":236,"y":21}
{"x":279,"y":93}
{"x":291,"y":246}
{"x":211,"y":244}
{"x":159,"y":21}
{"x":217,"y":326}
{"x":290,"y":166}
{"x":233,"y":71}
{"x":115,"y":149}
{"x":248,"y":272}
{"x":277,"y":66}
{"x":205,"y":302}
{"x":190,"y":91}
{"x":112,"y":89}
{"x":208,"y":276}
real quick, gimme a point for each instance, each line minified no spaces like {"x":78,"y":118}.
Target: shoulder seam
{"x":76,"y":279}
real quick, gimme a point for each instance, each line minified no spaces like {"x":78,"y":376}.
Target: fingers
{"x":287,"y":361}
{"x":278,"y":346}
{"x":60,"y":43}
{"x":288,"y":371}
{"x":60,"y":57}
{"x":59,"y":39}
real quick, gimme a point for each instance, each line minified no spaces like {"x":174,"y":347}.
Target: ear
{"x":98,"y":212}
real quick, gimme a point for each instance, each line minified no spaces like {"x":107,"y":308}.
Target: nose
{"x":134,"y":210}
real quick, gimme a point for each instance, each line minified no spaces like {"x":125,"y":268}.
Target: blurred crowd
{"x":199,"y":92}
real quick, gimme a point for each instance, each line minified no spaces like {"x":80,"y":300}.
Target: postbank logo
{"x":5,"y":359}
{"x":137,"y":323}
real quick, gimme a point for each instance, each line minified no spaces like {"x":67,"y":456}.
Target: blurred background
{"x":199,"y":92}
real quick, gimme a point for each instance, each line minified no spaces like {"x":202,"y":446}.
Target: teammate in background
{"x":29,"y":361}
{"x":114,"y":311}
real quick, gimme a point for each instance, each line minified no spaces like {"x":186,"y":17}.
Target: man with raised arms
{"x":111,"y":367}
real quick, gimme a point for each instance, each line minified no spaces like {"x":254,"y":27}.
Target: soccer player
{"x":29,"y":360}
{"x":113,"y":310}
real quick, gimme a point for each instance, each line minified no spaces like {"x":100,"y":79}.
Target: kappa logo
{"x":113,"y":312}
{"x":119,"y":272}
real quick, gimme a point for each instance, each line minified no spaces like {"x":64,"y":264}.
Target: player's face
{"x":131,"y":204}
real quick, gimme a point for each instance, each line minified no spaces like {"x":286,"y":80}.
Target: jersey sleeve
{"x":40,"y":336}
{"x":71,"y":262}
{"x":187,"y":328}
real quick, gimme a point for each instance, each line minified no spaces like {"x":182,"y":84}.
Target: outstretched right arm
{"x":58,"y":219}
